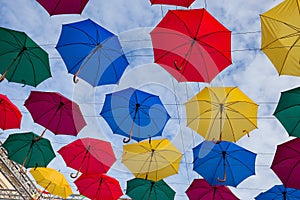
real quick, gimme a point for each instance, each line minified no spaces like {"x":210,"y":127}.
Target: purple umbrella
{"x":286,"y":163}
{"x":201,"y":190}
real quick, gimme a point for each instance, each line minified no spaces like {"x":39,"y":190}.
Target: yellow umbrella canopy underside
{"x":221,"y":113}
{"x":52,"y":180}
{"x":152,"y":159}
{"x":280,"y":37}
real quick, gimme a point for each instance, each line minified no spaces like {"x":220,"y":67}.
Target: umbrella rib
{"x":291,"y":170}
{"x":243,"y":116}
{"x":287,"y":54}
{"x":183,"y":23}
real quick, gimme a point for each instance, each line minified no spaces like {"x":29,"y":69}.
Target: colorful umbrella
{"x":52,"y":180}
{"x":139,"y":189}
{"x":184,"y":3}
{"x":135,"y":113}
{"x":221,"y":113}
{"x":223,"y":163}
{"x":201,"y":190}
{"x":29,"y":150}
{"x":22,"y":60}
{"x":288,"y":111}
{"x":152,"y":160}
{"x":280,"y":37}
{"x":279,"y":192}
{"x":10,"y":115}
{"x":57,"y":7}
{"x":88,"y":156}
{"x":55,"y":112}
{"x":91,"y":53}
{"x":286,"y":163}
{"x":99,"y":187}
{"x":191,"y":45}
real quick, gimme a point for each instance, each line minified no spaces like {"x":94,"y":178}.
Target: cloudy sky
{"x":132,"y":21}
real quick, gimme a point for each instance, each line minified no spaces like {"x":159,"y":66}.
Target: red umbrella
{"x":201,"y":190}
{"x":55,"y":112}
{"x":286,"y":163}
{"x":56,"y":7}
{"x":10,"y":115}
{"x":191,"y":45}
{"x":99,"y":187}
{"x":88,"y":156}
{"x":184,"y":3}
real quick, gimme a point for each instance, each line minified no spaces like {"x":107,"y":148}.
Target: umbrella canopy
{"x":184,"y":3}
{"x":88,"y":155}
{"x":221,"y":113}
{"x":288,"y":111}
{"x":223,"y":163}
{"x":286,"y":163}
{"x":279,"y":192}
{"x":135,"y":113}
{"x":22,"y":60}
{"x":92,"y":53}
{"x":55,"y":112}
{"x":29,"y":150}
{"x":99,"y":187}
{"x":201,"y":190}
{"x":280,"y":32}
{"x":191,"y":45}
{"x":10,"y":115}
{"x":139,"y":189}
{"x":57,"y":7}
{"x":52,"y":180}
{"x":152,"y":160}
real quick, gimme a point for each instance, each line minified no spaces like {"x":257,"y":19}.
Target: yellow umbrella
{"x":52,"y":181}
{"x":221,"y":113}
{"x":280,"y":36}
{"x":152,"y":159}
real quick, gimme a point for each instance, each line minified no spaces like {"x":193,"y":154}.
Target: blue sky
{"x":132,"y":20}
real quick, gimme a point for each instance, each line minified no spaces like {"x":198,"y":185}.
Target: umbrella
{"x":10,"y":115}
{"x":288,"y":111}
{"x":55,"y":112}
{"x":191,"y":45}
{"x":223,"y":163}
{"x":286,"y":163}
{"x":201,"y":190}
{"x":92,"y":53}
{"x":184,"y":3}
{"x":279,"y":192}
{"x":152,"y":160}
{"x":222,"y":113}
{"x":88,"y":156}
{"x":139,"y":189}
{"x":134,"y":113}
{"x":98,"y":187}
{"x":52,"y":180}
{"x":22,"y":60}
{"x":280,"y":37}
{"x":29,"y":150}
{"x":57,"y":7}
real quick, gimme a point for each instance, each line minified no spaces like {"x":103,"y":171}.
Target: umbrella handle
{"x":247,"y":132}
{"x":224,"y":178}
{"x":75,"y":79}
{"x":22,"y":171}
{"x":3,"y":76}
{"x":125,"y":140}
{"x":74,"y":176}
{"x":176,"y":66}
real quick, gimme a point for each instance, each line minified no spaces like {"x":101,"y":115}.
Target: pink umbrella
{"x":201,"y":190}
{"x":286,"y":163}
{"x":57,"y":7}
{"x":184,"y":3}
{"x":55,"y":112}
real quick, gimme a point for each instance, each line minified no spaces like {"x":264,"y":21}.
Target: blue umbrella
{"x":223,"y":163}
{"x":279,"y":192}
{"x":135,"y":114}
{"x":91,"y":53}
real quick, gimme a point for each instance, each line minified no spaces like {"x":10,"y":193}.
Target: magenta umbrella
{"x":286,"y":163}
{"x":55,"y":112}
{"x":201,"y":190}
{"x":57,"y":7}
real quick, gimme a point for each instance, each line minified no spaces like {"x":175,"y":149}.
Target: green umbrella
{"x":29,"y":150}
{"x":288,"y":111}
{"x":139,"y":189}
{"x":21,"y":59}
